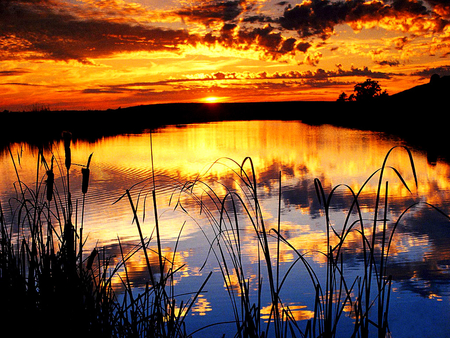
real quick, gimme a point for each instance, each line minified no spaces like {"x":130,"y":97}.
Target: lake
{"x":197,"y":165}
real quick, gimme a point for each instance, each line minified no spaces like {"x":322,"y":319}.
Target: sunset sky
{"x":99,"y":54}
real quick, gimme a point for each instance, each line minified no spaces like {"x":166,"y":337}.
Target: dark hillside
{"x":418,"y":115}
{"x":429,"y":95}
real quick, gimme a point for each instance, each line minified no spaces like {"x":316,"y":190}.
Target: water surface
{"x":297,"y":153}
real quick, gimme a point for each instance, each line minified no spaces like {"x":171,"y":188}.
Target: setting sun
{"x":211,"y":99}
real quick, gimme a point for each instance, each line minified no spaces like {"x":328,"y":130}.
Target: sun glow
{"x":211,"y":99}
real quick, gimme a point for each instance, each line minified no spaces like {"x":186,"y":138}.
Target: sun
{"x":211,"y":99}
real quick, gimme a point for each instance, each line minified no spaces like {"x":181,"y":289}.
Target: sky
{"x":100,"y":54}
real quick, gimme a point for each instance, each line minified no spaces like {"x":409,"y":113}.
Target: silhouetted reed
{"x":44,"y":288}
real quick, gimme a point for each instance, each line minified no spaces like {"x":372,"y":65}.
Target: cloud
{"x":440,"y":7}
{"x":400,"y":42}
{"x":267,"y":40}
{"x":312,"y":18}
{"x":46,"y":30}
{"x":313,"y":59}
{"x":319,"y":17}
{"x":428,"y":72}
{"x":14,"y":72}
{"x":391,"y":63}
{"x":23,"y":84}
{"x":103,"y":91}
{"x":212,"y":11}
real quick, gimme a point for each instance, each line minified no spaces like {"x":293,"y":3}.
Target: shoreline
{"x":403,"y":119}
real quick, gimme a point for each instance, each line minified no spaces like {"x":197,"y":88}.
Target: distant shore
{"x":408,"y":120}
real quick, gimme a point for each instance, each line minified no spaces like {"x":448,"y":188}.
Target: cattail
{"x":85,"y":173}
{"x":50,"y":181}
{"x":90,"y":260}
{"x":67,"y":136}
{"x":85,"y":182}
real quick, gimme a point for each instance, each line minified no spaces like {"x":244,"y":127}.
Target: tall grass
{"x":48,"y":283}
{"x":45,"y":286}
{"x":58,"y":289}
{"x":224,"y":214}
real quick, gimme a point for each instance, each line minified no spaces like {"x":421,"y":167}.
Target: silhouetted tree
{"x":343,"y":97}
{"x":364,"y":91}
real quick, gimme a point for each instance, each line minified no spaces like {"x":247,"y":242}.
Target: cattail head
{"x":85,"y":173}
{"x":50,"y":181}
{"x":85,"y":182}
{"x":90,"y":260}
{"x":67,"y":137}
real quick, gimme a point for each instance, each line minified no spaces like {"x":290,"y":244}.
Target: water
{"x":420,"y":251}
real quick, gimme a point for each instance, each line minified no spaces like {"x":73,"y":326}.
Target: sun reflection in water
{"x":296,"y":312}
{"x":202,"y":306}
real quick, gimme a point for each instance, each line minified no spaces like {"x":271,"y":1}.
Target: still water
{"x":289,"y":155}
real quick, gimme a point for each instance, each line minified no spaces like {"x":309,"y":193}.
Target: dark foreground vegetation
{"x":49,"y":286}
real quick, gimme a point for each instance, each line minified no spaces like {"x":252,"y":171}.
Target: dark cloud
{"x":319,"y":17}
{"x":440,"y":7}
{"x":41,"y":30}
{"x":438,"y":3}
{"x":266,"y":39}
{"x":428,"y":72}
{"x":313,"y":17}
{"x":303,"y":46}
{"x":103,"y":91}
{"x":14,"y":72}
{"x":409,"y":6}
{"x":208,"y":12}
{"x":321,"y":74}
{"x":240,"y":34}
{"x":260,"y":18}
{"x":22,"y":84}
{"x":392,"y":63}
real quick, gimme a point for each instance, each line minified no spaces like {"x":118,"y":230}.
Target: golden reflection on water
{"x":296,"y":312}
{"x":202,"y":306}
